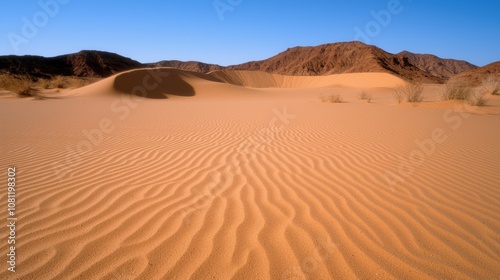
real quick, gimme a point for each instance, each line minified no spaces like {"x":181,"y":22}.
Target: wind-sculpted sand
{"x":165,"y":174}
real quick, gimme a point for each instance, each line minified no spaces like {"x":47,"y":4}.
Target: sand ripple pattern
{"x":229,"y":198}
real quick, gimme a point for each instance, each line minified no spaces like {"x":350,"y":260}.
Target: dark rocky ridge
{"x":82,"y":64}
{"x":348,"y":57}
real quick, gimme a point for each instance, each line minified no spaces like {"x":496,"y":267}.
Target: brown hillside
{"x":350,"y":57}
{"x":338,"y":58}
{"x":99,"y":64}
{"x":83,"y":64}
{"x":475,"y":76}
{"x":439,"y":67}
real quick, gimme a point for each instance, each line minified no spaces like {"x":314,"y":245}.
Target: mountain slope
{"x":351,"y":57}
{"x":82,"y":64}
{"x":337,"y":58}
{"x":439,"y":67}
{"x":476,"y":76}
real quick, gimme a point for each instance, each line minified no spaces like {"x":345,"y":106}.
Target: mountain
{"x":439,"y":67}
{"x":82,"y":64}
{"x":351,"y":57}
{"x":347,"y":57}
{"x":99,"y":64}
{"x":476,"y":76}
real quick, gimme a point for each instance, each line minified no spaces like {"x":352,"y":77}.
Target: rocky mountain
{"x":348,"y":57}
{"x":476,"y":76}
{"x":99,"y":64}
{"x":351,"y":57}
{"x":81,"y":64}
{"x":439,"y":67}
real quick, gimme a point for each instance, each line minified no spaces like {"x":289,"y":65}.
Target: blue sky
{"x":245,"y":30}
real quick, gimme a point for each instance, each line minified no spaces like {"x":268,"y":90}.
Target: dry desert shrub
{"x":409,"y":93}
{"x":456,"y":90}
{"x":331,"y":97}
{"x":491,"y":85}
{"x":477,"y":98}
{"x":365,"y":96}
{"x":62,"y":82}
{"x":44,"y":83}
{"x":22,"y":86}
{"x":461,"y":90}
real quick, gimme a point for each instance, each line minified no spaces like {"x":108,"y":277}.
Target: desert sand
{"x":167,"y":174}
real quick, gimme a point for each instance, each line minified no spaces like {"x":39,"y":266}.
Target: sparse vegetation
{"x":331,"y":97}
{"x":44,"y":83}
{"x":461,"y":90}
{"x":409,"y":93}
{"x":60,"y":82}
{"x":456,"y":90}
{"x":491,"y":85}
{"x":365,"y":96}
{"x":477,"y":98}
{"x":22,"y":87}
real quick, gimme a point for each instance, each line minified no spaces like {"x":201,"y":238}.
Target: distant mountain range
{"x":348,"y":57}
{"x":81,"y":64}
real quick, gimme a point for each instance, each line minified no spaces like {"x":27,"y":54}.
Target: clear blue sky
{"x":150,"y":31}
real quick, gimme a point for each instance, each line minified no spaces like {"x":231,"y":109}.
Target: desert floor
{"x":219,"y":181}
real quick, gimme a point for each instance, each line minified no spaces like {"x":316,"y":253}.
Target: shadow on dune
{"x":153,"y":83}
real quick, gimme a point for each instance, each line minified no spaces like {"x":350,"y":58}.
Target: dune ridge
{"x":259,"y":79}
{"x":169,"y":81}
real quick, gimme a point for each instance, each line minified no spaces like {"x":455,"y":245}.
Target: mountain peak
{"x":335,"y":58}
{"x":325,"y":59}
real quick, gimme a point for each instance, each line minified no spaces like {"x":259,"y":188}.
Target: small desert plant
{"x":23,"y":87}
{"x":60,"y":82}
{"x":27,"y":92}
{"x":491,"y":85}
{"x":365,"y":96}
{"x":335,"y":98}
{"x":476,"y":98}
{"x":409,"y":93}
{"x":331,"y":97}
{"x":456,"y":90}
{"x":44,"y":83}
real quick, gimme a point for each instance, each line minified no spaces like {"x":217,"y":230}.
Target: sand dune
{"x":158,"y":83}
{"x":154,"y":83}
{"x":264,"y":80}
{"x":225,"y":179}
